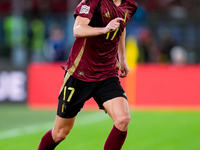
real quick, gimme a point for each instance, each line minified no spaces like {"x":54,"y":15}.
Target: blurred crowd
{"x":35,"y":30}
{"x":166,"y":31}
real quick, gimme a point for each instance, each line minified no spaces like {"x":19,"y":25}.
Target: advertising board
{"x":147,"y":86}
{"x":13,"y":83}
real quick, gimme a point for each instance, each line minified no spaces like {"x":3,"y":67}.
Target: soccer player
{"x":97,"y":55}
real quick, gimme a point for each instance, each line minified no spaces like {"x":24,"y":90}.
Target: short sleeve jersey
{"x":96,"y":58}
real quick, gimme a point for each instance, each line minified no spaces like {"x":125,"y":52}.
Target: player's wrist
{"x":105,"y":30}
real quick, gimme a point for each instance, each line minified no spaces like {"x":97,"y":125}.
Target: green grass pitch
{"x":22,"y":129}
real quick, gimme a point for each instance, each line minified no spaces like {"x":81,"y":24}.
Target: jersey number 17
{"x":114,"y":35}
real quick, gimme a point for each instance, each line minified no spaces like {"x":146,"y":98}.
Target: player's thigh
{"x":117,"y":108}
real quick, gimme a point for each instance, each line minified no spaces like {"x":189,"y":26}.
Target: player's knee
{"x":125,"y":120}
{"x":122,"y":122}
{"x":60,"y":135}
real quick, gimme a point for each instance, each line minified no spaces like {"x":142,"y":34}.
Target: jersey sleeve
{"x":86,"y":8}
{"x":132,"y":7}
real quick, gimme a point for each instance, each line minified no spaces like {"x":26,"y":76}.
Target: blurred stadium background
{"x":163,"y":53}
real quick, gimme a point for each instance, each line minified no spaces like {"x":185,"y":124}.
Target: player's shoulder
{"x":132,"y":3}
{"x":90,"y":2}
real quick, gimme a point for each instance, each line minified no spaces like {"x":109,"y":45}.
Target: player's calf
{"x":47,"y":142}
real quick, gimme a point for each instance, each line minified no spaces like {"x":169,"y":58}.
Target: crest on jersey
{"x":85,"y":9}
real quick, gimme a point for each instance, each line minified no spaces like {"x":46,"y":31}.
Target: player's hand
{"x":113,"y":25}
{"x":124,"y":69}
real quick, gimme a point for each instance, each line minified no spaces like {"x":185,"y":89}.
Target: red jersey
{"x":96,"y":58}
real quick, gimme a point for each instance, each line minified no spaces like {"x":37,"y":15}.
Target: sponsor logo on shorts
{"x":124,"y":94}
{"x":85,"y":9}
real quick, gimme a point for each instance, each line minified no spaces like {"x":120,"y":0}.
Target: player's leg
{"x":62,"y":128}
{"x":118,"y":109}
{"x":53,"y":137}
{"x":110,"y":96}
{"x":71,"y":100}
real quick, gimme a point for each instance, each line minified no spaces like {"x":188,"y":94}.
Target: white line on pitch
{"x":80,"y":121}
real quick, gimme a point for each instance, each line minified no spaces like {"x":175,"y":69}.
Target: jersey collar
{"x":122,"y":1}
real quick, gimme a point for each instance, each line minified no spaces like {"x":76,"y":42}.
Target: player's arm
{"x":122,"y":56}
{"x":83,"y":30}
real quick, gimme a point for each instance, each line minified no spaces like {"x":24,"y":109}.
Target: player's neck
{"x":117,"y":2}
